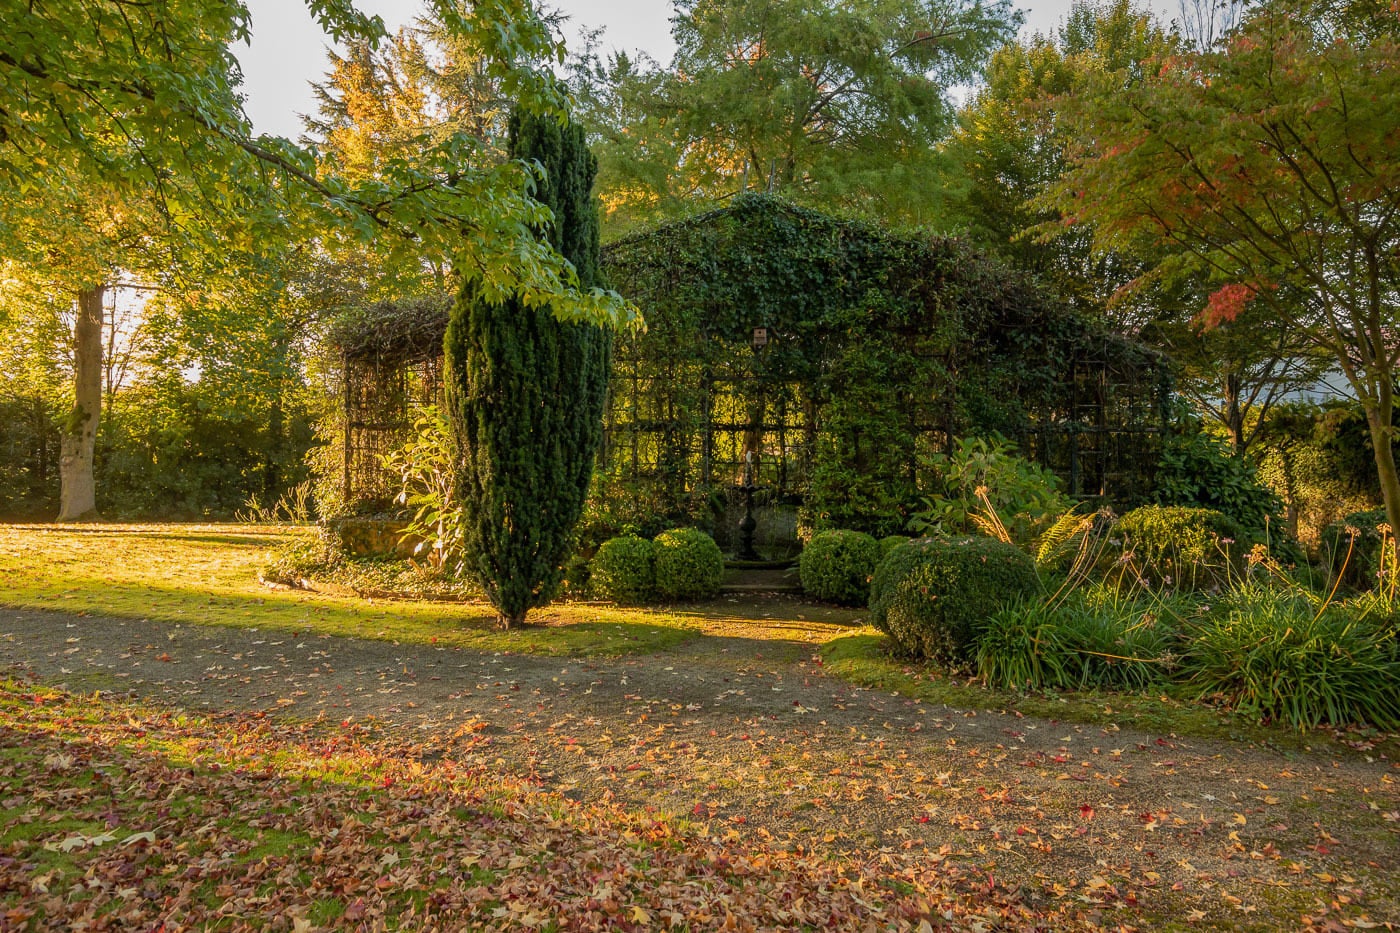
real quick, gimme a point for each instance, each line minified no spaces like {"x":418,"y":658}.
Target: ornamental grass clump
{"x":932,"y":595}
{"x":1086,"y":640}
{"x":1021,"y":647}
{"x":836,"y":566}
{"x":1117,"y":641}
{"x":689,"y":564}
{"x":1276,"y":654}
{"x":624,"y":570}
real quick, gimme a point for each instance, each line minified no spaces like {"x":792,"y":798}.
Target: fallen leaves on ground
{"x":120,"y":817}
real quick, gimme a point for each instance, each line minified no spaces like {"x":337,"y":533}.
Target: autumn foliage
{"x":242,"y":824}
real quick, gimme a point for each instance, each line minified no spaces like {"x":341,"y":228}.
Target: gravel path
{"x":742,"y":743}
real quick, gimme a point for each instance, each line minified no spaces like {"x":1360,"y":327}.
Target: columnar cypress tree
{"x":526,"y":394}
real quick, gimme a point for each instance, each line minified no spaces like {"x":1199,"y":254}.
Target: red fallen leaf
{"x":921,"y":819}
{"x":164,"y":656}
{"x":1086,"y":812}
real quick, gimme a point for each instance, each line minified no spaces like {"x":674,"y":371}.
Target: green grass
{"x":207,"y":575}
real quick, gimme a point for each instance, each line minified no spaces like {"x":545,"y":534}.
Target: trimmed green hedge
{"x":932,"y":595}
{"x":624,"y":570}
{"x":836,"y":566}
{"x":689,"y":564}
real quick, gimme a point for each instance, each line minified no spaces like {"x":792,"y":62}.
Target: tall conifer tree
{"x":526,"y":394}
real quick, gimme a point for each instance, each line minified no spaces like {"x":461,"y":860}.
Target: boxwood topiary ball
{"x":836,"y":566}
{"x":689,"y":564}
{"x":624,"y":570}
{"x":932,"y":595}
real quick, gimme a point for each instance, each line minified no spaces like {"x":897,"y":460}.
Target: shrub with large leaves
{"x":984,"y":486}
{"x":1196,"y":471}
{"x":426,"y":467}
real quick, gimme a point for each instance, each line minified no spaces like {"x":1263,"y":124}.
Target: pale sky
{"x":289,"y":51}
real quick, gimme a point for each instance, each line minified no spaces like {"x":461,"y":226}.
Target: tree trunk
{"x":78,"y":496}
{"x":1380,"y":419}
{"x":1234,"y":415}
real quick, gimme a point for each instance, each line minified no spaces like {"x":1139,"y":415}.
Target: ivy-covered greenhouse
{"x":830,"y":355}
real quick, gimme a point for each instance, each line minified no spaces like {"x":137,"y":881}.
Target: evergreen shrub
{"x":689,"y":564}
{"x":525,"y":392}
{"x":932,"y":595}
{"x":1197,"y":471}
{"x":836,"y":566}
{"x":1187,"y":546}
{"x":890,"y":542}
{"x":624,"y":570}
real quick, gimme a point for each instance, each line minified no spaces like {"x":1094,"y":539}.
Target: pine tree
{"x":526,"y":393}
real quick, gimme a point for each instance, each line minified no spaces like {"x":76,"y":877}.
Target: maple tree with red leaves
{"x":1269,"y":166}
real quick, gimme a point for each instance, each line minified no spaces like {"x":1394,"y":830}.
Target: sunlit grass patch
{"x":207,"y":575}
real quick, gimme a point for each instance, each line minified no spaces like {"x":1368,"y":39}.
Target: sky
{"x":288,"y":51}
